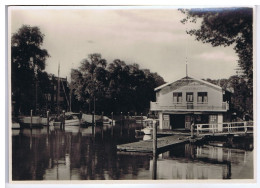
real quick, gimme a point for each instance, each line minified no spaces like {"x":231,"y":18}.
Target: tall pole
{"x":58,"y":95}
{"x":154,"y":150}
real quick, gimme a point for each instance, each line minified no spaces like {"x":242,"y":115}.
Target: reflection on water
{"x":78,"y":154}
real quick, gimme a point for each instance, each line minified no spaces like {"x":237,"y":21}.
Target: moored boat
{"x":71,"y":119}
{"x":27,"y":121}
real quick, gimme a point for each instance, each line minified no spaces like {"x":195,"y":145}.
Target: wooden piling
{"x":112,"y":128}
{"x":63,"y":119}
{"x":142,"y":120}
{"x":128,"y":122}
{"x":154,"y":138}
{"x":102,"y":124}
{"x":154,"y":177}
{"x":121,"y":127}
{"x":192,"y":130}
{"x":48,"y":120}
{"x":31,"y":119}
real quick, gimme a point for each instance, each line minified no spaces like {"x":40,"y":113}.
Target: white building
{"x":188,"y":100}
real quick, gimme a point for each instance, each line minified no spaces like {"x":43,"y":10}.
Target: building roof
{"x":182,"y":80}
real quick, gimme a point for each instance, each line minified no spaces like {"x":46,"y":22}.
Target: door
{"x":166,"y":121}
{"x":213,"y":119}
{"x":178,"y":121}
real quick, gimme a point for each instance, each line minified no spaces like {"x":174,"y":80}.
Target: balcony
{"x":155,"y":106}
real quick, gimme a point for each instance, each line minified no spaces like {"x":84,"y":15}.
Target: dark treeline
{"x":113,"y":87}
{"x":241,"y":97}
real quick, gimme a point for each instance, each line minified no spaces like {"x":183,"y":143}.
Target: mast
{"x":58,"y":95}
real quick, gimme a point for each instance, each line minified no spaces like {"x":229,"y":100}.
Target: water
{"x":77,"y":154}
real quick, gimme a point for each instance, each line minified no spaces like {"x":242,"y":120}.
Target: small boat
{"x":107,"y":120}
{"x":71,"y":119}
{"x":15,"y":124}
{"x":149,"y":126}
{"x":147,"y":130}
{"x":28,"y":121}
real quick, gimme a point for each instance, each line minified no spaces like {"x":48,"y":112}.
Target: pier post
{"x":102,"y":114}
{"x":48,"y":120}
{"x":154,"y":177}
{"x":63,"y":119}
{"x":112,"y":128}
{"x":93,"y":124}
{"x":154,"y":151}
{"x":141,"y":120}
{"x":135,"y":116}
{"x":121,"y":127}
{"x":192,"y":130}
{"x":31,"y":119}
{"x":128,"y":122}
{"x":154,"y":138}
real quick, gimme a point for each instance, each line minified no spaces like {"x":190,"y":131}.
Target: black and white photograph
{"x":140,"y":93}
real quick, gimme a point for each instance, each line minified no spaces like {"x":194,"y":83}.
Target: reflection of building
{"x":203,"y":162}
{"x":188,"y":100}
{"x":58,"y":98}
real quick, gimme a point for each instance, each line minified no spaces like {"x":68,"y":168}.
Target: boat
{"x":150,"y":123}
{"x":147,"y":130}
{"x":71,"y":119}
{"x":30,"y":121}
{"x":15,"y":124}
{"x":107,"y":120}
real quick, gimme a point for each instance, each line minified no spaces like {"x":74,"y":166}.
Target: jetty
{"x":201,"y":130}
{"x":147,"y":145}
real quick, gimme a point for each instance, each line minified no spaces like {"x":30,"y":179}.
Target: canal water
{"x":77,"y":154}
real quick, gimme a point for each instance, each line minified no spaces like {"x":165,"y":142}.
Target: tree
{"x":118,"y":87}
{"x":224,"y":27}
{"x":27,"y":61}
{"x":89,"y":82}
{"x":241,"y":98}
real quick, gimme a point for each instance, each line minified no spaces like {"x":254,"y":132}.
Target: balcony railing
{"x":156,"y":106}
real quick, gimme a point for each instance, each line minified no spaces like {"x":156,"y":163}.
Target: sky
{"x":150,"y":36}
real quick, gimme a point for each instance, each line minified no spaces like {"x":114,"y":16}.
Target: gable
{"x":189,"y":84}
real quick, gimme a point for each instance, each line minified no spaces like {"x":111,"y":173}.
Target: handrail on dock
{"x":225,"y":128}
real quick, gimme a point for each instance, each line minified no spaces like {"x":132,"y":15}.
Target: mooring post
{"x":102,"y":123}
{"x":154,"y":149}
{"x":154,"y":138}
{"x":93,"y":128}
{"x":48,"y":119}
{"x":192,"y":130}
{"x":245,"y":126}
{"x":112,"y":128}
{"x":121,"y":127}
{"x":141,"y":120}
{"x":31,"y":119}
{"x":63,"y":113}
{"x":128,"y":122}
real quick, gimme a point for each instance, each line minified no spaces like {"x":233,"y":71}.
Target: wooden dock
{"x":147,"y":145}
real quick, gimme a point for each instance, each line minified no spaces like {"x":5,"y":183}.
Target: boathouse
{"x":190,"y":100}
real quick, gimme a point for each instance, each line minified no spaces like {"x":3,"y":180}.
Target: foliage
{"x":117,"y":87}
{"x":241,"y":100}
{"x":225,"y":27}
{"x":27,"y":65}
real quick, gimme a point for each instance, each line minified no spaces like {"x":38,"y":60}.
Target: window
{"x":202,"y":97}
{"x":189,"y":97}
{"x":177,"y":97}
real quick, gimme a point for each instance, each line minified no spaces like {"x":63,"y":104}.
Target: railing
{"x":156,"y":106}
{"x":225,"y":128}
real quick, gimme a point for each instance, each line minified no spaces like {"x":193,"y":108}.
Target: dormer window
{"x":202,"y":97}
{"x":177,"y":97}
